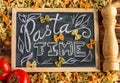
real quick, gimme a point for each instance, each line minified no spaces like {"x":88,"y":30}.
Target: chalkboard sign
{"x":54,"y":40}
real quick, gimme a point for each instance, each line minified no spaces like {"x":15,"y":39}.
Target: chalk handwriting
{"x":80,"y":22}
{"x":20,"y":45}
{"x":65,"y":47}
{"x":53,"y":51}
{"x":88,"y":58}
{"x":27,"y":40}
{"x":36,"y":37}
{"x":78,"y":52}
{"x":40,"y":48}
{"x":47,"y":61}
{"x":26,"y":58}
{"x":71,"y":61}
{"x":24,"y":28}
{"x":22,"y":17}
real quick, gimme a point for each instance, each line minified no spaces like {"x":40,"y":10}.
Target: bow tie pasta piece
{"x":34,"y":78}
{"x":42,"y":20}
{"x":59,"y":62}
{"x":42,"y":78}
{"x":45,"y":19}
{"x":92,"y":41}
{"x":3,"y":35}
{"x":75,"y":33}
{"x":68,"y":76}
{"x":31,"y":65}
{"x":77,"y":37}
{"x":90,"y":45}
{"x":58,"y":37}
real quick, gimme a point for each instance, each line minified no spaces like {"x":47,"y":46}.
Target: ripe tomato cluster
{"x":15,"y":76}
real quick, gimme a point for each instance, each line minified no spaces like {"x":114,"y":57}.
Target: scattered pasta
{"x":46,"y":18}
{"x":75,"y":33}
{"x":74,"y":77}
{"x":58,"y":37}
{"x":58,"y":77}
{"x":7,"y":5}
{"x":31,"y":65}
{"x":60,"y":61}
{"x":90,"y":45}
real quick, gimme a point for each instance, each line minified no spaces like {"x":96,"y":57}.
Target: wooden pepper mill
{"x":110,"y":44}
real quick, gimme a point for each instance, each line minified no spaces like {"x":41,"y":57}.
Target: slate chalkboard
{"x":33,"y":39}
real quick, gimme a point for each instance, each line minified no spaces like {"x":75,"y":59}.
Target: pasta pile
{"x":7,"y":5}
{"x":58,"y":77}
{"x":74,"y":77}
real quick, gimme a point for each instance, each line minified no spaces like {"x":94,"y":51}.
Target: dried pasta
{"x":50,"y":77}
{"x":74,"y":77}
{"x":90,"y":45}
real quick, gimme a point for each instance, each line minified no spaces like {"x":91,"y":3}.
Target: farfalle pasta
{"x":58,"y":37}
{"x":76,"y":34}
{"x":74,"y":77}
{"x":45,"y":19}
{"x":42,"y":78}
{"x":3,"y":34}
{"x":50,"y":77}
{"x":36,"y":4}
{"x":34,"y":77}
{"x":31,"y":64}
{"x":59,"y":62}
{"x":90,"y":45}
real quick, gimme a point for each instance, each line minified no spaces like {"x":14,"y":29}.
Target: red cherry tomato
{"x":4,"y":70}
{"x":18,"y":76}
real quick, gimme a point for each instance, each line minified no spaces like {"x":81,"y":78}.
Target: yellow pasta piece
{"x":36,"y":4}
{"x":6,"y":20}
{"x":42,"y":20}
{"x":3,"y":34}
{"x":68,"y":76}
{"x":8,"y":3}
{"x":58,"y":37}
{"x":42,"y":78}
{"x":84,"y":4}
{"x":59,"y":62}
{"x":46,"y":18}
{"x":75,"y":33}
{"x":63,"y":5}
{"x":29,"y":64}
{"x":90,"y":45}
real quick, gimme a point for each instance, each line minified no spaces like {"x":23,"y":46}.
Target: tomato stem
{"x":1,"y":82}
{"x":14,"y":79}
{"x":1,"y":71}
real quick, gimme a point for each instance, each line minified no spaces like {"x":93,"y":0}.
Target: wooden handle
{"x":110,"y":44}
